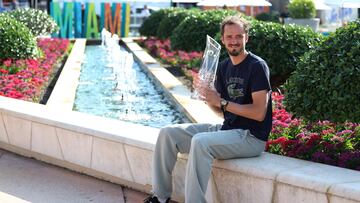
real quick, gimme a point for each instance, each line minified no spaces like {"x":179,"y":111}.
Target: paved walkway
{"x":28,"y":180}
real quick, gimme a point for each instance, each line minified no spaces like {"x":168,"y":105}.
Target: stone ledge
{"x":63,"y":95}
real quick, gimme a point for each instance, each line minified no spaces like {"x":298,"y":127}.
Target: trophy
{"x":210,"y":60}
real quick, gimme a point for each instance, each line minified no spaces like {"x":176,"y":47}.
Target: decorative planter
{"x":313,"y":23}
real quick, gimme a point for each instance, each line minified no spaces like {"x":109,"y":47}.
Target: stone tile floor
{"x":28,"y":180}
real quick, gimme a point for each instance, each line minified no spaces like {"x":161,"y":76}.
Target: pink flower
{"x":328,"y":131}
{"x":3,"y":71}
{"x":7,"y":62}
{"x":344,"y":132}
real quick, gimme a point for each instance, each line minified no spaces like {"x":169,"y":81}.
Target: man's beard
{"x":235,"y":52}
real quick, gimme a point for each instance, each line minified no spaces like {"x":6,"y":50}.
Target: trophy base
{"x":195,"y":95}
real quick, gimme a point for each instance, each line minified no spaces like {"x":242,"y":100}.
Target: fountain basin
{"x":110,"y":88}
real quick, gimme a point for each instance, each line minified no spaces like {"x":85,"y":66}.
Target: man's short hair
{"x":231,"y":20}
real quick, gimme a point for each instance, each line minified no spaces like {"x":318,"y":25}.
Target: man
{"x":14,"y":5}
{"x":243,"y":96}
{"x":145,"y":12}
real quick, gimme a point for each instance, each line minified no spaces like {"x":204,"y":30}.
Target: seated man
{"x":242,"y":96}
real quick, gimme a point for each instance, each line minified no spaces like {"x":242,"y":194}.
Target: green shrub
{"x":281,"y":46}
{"x":171,"y":21}
{"x":151,"y":24}
{"x":273,"y":16}
{"x":190,"y":35}
{"x":39,"y":22}
{"x":326,"y":82}
{"x":16,"y":40}
{"x":302,"y":9}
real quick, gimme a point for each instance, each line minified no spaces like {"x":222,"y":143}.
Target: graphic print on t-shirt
{"x":233,"y":89}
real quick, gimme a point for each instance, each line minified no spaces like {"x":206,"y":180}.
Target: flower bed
{"x":325,"y":142}
{"x":27,"y":79}
{"x":188,"y":62}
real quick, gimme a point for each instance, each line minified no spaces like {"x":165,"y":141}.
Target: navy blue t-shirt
{"x":235,"y":83}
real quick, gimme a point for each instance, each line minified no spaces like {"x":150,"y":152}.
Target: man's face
{"x":234,"y":39}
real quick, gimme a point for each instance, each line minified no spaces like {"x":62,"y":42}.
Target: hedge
{"x":326,"y":82}
{"x":173,"y":18}
{"x":190,"y":35}
{"x":151,"y":24}
{"x":281,"y":46}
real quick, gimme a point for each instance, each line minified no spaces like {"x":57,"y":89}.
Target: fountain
{"x":113,"y":85}
{"x":121,"y":61}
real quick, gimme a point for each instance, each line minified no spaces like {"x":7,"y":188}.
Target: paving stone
{"x":28,"y":180}
{"x":133,"y":196}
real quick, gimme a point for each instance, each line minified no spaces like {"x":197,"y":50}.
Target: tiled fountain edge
{"x":121,"y":152}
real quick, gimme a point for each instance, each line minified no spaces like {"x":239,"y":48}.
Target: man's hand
{"x":207,"y":94}
{"x":210,"y":96}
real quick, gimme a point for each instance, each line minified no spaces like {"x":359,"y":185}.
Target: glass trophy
{"x":210,"y":60}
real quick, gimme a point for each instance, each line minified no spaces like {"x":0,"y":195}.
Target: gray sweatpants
{"x":204,"y":143}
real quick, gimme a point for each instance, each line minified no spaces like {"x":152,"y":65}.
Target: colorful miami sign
{"x":76,"y":22}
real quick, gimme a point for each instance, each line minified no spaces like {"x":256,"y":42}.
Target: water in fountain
{"x":121,"y":63}
{"x":113,"y":85}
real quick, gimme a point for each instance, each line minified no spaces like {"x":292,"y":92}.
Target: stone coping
{"x":121,"y":152}
{"x":63,"y":94}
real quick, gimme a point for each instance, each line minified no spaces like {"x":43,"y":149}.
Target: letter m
{"x":111,"y":20}
{"x":63,"y":19}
